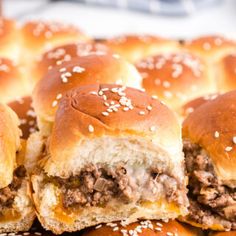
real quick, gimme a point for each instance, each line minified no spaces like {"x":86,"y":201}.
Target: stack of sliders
{"x":102,"y":155}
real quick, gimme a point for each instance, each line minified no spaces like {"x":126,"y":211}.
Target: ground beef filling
{"x":210,"y":200}
{"x":96,"y":186}
{"x":7,"y":194}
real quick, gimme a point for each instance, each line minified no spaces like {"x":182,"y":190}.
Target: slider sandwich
{"x":114,"y":154}
{"x":16,"y":210}
{"x":209,"y":135}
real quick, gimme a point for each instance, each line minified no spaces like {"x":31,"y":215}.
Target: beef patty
{"x":7,"y":194}
{"x":211,"y":202}
{"x":96,"y":185}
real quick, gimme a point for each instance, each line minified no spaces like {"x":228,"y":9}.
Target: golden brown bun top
{"x":144,"y":228}
{"x":211,"y":46}
{"x":98,"y":110}
{"x":90,"y":69}
{"x":63,"y":53}
{"x":12,"y":84}
{"x":24,"y":110}
{"x":174,"y":78}
{"x":213,"y":127}
{"x":190,"y":106}
{"x":136,"y":47}
{"x":40,"y":35}
{"x":9,"y":144}
{"x":227,"y":80}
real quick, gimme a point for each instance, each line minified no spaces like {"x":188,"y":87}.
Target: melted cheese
{"x":9,"y":215}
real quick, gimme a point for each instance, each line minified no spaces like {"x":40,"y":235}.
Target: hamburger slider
{"x":135,"y":47}
{"x":16,"y":210}
{"x":210,"y":147}
{"x":114,"y":154}
{"x":175,"y":78}
{"x":144,"y":228}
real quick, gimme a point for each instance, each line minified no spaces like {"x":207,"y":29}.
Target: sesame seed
{"x":152,"y":128}
{"x":228,"y":149}
{"x":158,"y":229}
{"x":26,"y":233}
{"x":166,"y":84}
{"x":234,"y":139}
{"x":104,"y":113}
{"x":154,"y":97}
{"x":93,"y":93}
{"x":98,"y":226}
{"x":38,"y":233}
{"x":141,"y":113}
{"x":78,"y":69}
{"x":116,"y":229}
{"x":125,"y":109}
{"x":206,"y":46}
{"x":159,"y":224}
{"x":169,"y":234}
{"x":90,"y":128}
{"x":54,"y":103}
{"x":100,"y":93}
{"x":59,"y":96}
{"x":106,"y":104}
{"x":168,"y":94}
{"x":216,"y":134}
{"x":62,"y":69}
{"x":149,"y":108}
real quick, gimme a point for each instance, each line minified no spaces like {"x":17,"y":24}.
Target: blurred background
{"x":100,"y":18}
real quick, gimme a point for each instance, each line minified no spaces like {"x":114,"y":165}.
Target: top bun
{"x":63,"y":53}
{"x":90,"y":69}
{"x":175,"y":78}
{"x":212,"y":47}
{"x":212,"y":126}
{"x":136,"y":47}
{"x":144,"y":228}
{"x":9,"y":144}
{"x":230,"y":233}
{"x":9,"y":32}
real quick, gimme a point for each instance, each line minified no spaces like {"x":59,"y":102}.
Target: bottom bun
{"x":21,"y":215}
{"x":144,"y":228}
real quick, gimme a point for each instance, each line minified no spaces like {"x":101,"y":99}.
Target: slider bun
{"x":9,"y":32}
{"x":62,"y":53}
{"x":145,"y":228}
{"x":9,"y":144}
{"x":12,"y":83}
{"x":175,"y":78}
{"x":190,"y":106}
{"x":136,"y":47}
{"x":25,"y":112}
{"x":89,"y":69}
{"x":211,"y":47}
{"x":226,"y":73}
{"x":200,"y":126}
